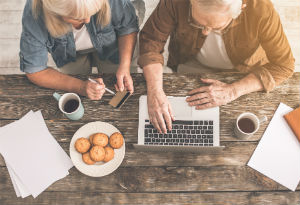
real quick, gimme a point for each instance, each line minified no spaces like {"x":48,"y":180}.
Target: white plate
{"x":99,"y":169}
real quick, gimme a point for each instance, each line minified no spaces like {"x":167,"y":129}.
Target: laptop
{"x":192,"y":131}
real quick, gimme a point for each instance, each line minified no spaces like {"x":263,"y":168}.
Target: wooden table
{"x":153,"y":178}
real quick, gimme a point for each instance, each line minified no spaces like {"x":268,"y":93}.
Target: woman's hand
{"x":124,"y":80}
{"x":215,"y":94}
{"x":93,"y":91}
{"x":160,"y":110}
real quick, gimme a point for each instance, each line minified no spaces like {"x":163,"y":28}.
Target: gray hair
{"x":235,"y":6}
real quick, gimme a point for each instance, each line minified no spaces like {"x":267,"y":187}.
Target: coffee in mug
{"x":70,"y":104}
{"x":247,"y":124}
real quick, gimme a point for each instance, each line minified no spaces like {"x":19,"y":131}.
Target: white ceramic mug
{"x":62,"y":100}
{"x":241,"y":131}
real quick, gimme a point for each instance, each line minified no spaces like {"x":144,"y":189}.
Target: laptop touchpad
{"x":180,"y":107}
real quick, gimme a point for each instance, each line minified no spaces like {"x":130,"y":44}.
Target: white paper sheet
{"x":34,"y":158}
{"x":277,"y":155}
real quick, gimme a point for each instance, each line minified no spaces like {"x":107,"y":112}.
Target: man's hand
{"x":124,"y":80}
{"x":215,"y":94}
{"x":160,"y":111}
{"x":94,"y":91}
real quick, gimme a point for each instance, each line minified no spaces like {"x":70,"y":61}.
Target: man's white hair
{"x":235,"y":6}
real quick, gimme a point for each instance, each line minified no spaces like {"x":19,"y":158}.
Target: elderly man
{"x":209,"y":36}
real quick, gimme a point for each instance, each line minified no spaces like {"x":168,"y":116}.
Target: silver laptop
{"x":192,"y":131}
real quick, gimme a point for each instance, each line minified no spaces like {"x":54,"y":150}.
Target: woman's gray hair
{"x":235,"y":6}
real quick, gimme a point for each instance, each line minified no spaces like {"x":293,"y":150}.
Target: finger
{"x":197,"y":96}
{"x":129,"y":84}
{"x":199,"y":102}
{"x":168,"y":120}
{"x":99,"y":80}
{"x":155,"y":124}
{"x":171,"y":113}
{"x":161,"y":123}
{"x":96,"y":87}
{"x":209,"y":81}
{"x":198,"y":90}
{"x":205,"y":106}
{"x":120,"y":83}
{"x":116,"y":87}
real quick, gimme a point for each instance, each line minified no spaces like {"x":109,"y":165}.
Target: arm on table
{"x":51,"y":78}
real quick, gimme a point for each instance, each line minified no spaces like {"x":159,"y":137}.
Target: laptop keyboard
{"x":183,"y":133}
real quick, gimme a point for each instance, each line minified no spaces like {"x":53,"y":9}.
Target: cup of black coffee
{"x":70,"y":104}
{"x":247,"y":124}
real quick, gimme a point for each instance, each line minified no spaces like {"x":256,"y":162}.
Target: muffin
{"x":109,"y":154}
{"x":100,"y":139}
{"x":82,"y":145}
{"x":116,"y":140}
{"x":97,"y":153}
{"x":87,"y":159}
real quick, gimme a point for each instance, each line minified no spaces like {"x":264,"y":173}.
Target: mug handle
{"x":263,"y":119}
{"x":56,"y":96}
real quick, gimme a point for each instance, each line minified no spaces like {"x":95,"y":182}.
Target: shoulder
{"x":259,"y":8}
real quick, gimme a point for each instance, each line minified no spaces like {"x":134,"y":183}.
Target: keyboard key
{"x":150,"y":135}
{"x":176,"y":127}
{"x":197,"y":131}
{"x":191,"y":127}
{"x":175,"y":136}
{"x":210,"y":145}
{"x":208,"y":132}
{"x":206,"y":141}
{"x":201,"y":122}
{"x":194,"y":136}
{"x":189,"y":136}
{"x":149,"y":126}
{"x":180,"y":136}
{"x":188,"y":132}
{"x":210,"y":136}
{"x":181,"y":122}
{"x":202,"y":132}
{"x":193,"y":132}
{"x":155,"y":135}
{"x":147,"y":139}
{"x":147,"y":121}
{"x":200,"y":127}
{"x":160,"y":135}
{"x":173,"y":131}
{"x":181,"y":127}
{"x":192,"y":140}
{"x":196,"y":122}
{"x":210,"y":141}
{"x":205,"y":127}
{"x":198,"y":136}
{"x":210,"y":127}
{"x":150,"y":131}
{"x":211,"y":122}
{"x":186,"y":127}
{"x":203,"y":136}
{"x":205,"y":122}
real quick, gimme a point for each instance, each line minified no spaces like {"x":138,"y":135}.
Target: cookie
{"x":116,"y":140}
{"x":97,"y":153}
{"x":82,"y":145}
{"x":100,"y":139}
{"x":91,"y":138}
{"x":87,"y":159}
{"x":109,"y":154}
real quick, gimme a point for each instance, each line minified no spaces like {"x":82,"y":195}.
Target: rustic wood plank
{"x":234,"y":154}
{"x":162,"y":179}
{"x":18,"y":97}
{"x":215,"y":198}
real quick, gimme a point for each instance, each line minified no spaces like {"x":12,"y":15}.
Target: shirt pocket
{"x":58,"y":50}
{"x":107,"y":37}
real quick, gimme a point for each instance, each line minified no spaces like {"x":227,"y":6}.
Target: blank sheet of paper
{"x":277,"y":155}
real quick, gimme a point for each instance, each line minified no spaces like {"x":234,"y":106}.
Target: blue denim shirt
{"x":36,"y":41}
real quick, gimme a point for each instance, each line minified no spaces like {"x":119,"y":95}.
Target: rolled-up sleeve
{"x":155,"y":33}
{"x":126,"y":21}
{"x":33,"y":50}
{"x":274,"y":42}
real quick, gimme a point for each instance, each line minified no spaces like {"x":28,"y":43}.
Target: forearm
{"x":153,"y":74}
{"x":51,"y":78}
{"x":246,"y":85}
{"x":126,"y":49}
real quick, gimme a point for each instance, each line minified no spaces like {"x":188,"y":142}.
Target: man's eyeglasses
{"x":217,"y":31}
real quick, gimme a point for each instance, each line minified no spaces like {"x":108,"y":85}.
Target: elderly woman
{"x":209,"y":36}
{"x":78,"y":34}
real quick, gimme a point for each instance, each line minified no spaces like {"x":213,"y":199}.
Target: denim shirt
{"x":36,"y":41}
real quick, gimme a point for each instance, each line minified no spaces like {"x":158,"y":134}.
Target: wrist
{"x":234,"y":91}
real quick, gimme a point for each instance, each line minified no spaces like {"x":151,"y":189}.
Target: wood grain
{"x":207,"y":198}
{"x":234,"y":154}
{"x":162,"y":179}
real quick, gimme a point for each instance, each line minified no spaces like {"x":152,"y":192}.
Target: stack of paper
{"x":278,"y":153}
{"x":33,"y":157}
